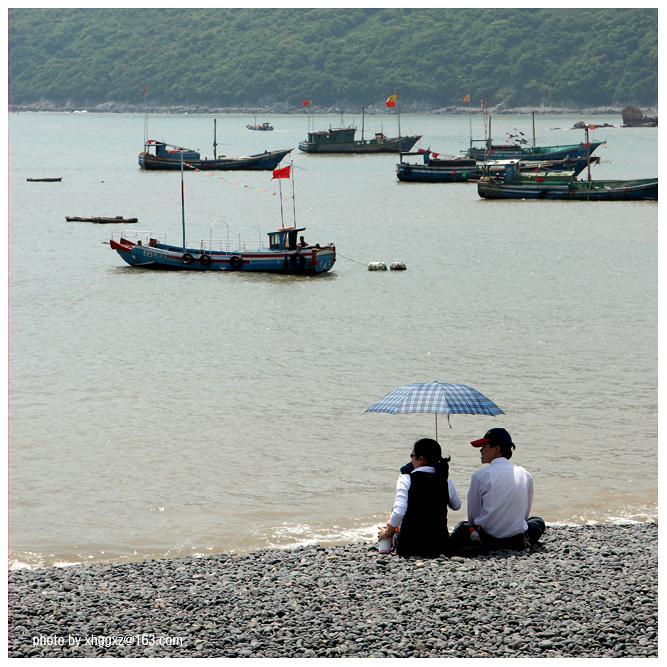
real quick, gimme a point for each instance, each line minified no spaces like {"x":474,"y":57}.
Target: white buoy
{"x":397,"y":266}
{"x":377,"y":266}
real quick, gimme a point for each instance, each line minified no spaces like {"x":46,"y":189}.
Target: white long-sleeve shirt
{"x":500,"y":498}
{"x":401,"y":501}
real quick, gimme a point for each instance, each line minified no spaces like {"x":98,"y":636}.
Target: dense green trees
{"x":353,"y":57}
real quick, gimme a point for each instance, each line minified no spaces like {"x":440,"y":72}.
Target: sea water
{"x":156,"y":414}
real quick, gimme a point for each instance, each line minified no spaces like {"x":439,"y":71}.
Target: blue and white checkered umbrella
{"x":439,"y":397}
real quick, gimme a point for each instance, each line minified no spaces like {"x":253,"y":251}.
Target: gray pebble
{"x":584,"y":591}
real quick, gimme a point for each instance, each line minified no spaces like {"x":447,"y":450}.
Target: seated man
{"x":499,"y":501}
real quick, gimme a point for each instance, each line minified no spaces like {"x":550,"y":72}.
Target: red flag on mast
{"x":281,"y":173}
{"x":391,"y":100}
{"x":466,"y":98}
{"x":305,"y":103}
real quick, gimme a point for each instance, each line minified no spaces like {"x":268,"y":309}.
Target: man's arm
{"x":474,"y":499}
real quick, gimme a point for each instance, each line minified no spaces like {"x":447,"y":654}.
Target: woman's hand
{"x":386,"y":533}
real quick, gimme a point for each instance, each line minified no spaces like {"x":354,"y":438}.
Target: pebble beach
{"x":583,"y":591}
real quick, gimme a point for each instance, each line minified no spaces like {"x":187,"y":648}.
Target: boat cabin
{"x":513,"y":172}
{"x":286,"y":238}
{"x":162,"y":150}
{"x":339,"y":135}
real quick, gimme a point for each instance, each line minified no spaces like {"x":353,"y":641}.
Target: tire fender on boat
{"x":235,"y":262}
{"x":407,"y":171}
{"x":298,"y":261}
{"x":205,"y":260}
{"x":187,"y":258}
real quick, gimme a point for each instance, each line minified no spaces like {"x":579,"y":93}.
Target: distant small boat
{"x":45,"y":180}
{"x":563,"y":186}
{"x":263,"y":127}
{"x":101,"y":219}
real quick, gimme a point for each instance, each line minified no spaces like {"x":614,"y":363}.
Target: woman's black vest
{"x":424,"y":526}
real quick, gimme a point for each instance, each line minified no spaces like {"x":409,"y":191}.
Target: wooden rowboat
{"x":100,"y":219}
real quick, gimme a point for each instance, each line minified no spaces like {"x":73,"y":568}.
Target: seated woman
{"x":420,"y":507}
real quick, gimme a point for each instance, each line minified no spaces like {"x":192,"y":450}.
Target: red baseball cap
{"x":496,"y":436}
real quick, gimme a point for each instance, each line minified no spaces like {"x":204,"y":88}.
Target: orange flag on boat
{"x":466,"y":99}
{"x":305,"y":103}
{"x":391,"y":100}
{"x":281,"y":173}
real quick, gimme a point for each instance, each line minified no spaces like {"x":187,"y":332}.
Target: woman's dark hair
{"x":432,"y":452}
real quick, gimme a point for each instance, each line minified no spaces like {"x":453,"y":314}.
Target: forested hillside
{"x":335,"y":57}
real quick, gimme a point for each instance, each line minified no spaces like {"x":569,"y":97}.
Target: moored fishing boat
{"x":287,"y":251}
{"x":284,"y":255}
{"x":457,"y":169}
{"x":159,"y":155}
{"x":341,"y":139}
{"x":519,"y":149}
{"x":491,"y":151}
{"x":562,"y":185}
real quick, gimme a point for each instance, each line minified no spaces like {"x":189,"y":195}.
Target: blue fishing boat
{"x":287,"y":250}
{"x":517,"y":184}
{"x":283,"y":255}
{"x":457,"y":169}
{"x":491,"y":151}
{"x":159,"y":155}
{"x":520,"y":150}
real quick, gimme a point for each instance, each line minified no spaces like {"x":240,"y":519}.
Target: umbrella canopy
{"x":439,"y":397}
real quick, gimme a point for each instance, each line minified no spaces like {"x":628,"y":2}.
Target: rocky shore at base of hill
{"x":121,"y":107}
{"x":584,"y":591}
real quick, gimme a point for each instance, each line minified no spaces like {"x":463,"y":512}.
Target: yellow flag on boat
{"x":391,"y":100}
{"x":466,"y":99}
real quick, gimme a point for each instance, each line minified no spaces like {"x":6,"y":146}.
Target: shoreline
{"x":583,"y":591}
{"x":119,"y":107}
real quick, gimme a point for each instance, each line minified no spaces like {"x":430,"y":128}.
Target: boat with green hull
{"x":562,"y":185}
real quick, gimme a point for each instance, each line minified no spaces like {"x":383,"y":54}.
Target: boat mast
{"x":291,"y":171}
{"x":145,"y":118}
{"x":533,"y":129}
{"x":398,"y":99}
{"x":182,"y":202}
{"x":362,"y":122}
{"x":282,"y":218}
{"x":215,"y":142}
{"x":588,"y":154}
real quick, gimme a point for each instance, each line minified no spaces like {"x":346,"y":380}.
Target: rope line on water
{"x":349,"y":260}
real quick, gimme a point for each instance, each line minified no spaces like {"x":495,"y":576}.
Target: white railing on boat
{"x":135,"y":235}
{"x":205,"y":245}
